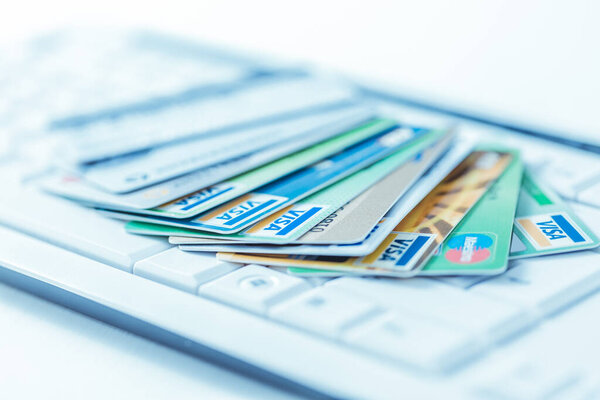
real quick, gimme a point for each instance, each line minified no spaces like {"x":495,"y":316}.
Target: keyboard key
{"x":75,"y":227}
{"x":324,"y":310}
{"x":590,"y":215}
{"x":572,"y":335}
{"x":490,"y":318}
{"x":591,"y":195}
{"x":462,"y":282}
{"x":588,"y":387}
{"x":254,"y":288}
{"x":567,"y":339}
{"x":568,"y":169}
{"x":545,"y":284}
{"x":530,"y":380}
{"x":416,"y":341}
{"x":181,"y":269}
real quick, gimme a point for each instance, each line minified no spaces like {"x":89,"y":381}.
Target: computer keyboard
{"x":287,"y":97}
{"x":463,"y":317}
{"x":108,"y":78}
{"x":439,"y":327}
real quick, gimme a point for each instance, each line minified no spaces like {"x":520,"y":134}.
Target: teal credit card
{"x":544,"y":224}
{"x":480,"y":244}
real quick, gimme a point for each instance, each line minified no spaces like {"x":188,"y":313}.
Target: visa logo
{"x":287,"y":221}
{"x":284,"y":220}
{"x":395,"y":250}
{"x":239,"y":210}
{"x":551,"y":230}
{"x":401,"y":251}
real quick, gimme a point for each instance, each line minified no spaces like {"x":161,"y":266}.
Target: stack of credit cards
{"x":303,"y":176}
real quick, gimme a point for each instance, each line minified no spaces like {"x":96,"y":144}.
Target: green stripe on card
{"x":534,"y":191}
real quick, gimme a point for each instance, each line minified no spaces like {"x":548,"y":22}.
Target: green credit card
{"x":480,"y":244}
{"x":544,"y":224}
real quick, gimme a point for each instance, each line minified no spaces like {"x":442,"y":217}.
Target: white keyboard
{"x":419,"y":332}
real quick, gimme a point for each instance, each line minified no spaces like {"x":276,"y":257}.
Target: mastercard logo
{"x":469,"y":248}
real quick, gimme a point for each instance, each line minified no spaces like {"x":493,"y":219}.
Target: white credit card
{"x":256,"y":103}
{"x":129,"y":173}
{"x":404,"y":205}
{"x":75,"y":188}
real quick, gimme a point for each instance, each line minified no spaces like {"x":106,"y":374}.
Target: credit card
{"x":406,"y":249}
{"x":292,"y":222}
{"x":544,"y":224}
{"x":216,"y":195}
{"x":248,"y":209}
{"x":264,"y":101}
{"x":198,"y":196}
{"x":419,"y":190}
{"x":480,"y":243}
{"x":370,"y":205}
{"x":144,"y":168}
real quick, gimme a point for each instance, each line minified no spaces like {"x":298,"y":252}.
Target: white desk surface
{"x":535,"y":56}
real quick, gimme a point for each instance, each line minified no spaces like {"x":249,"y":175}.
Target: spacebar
{"x":73,"y":226}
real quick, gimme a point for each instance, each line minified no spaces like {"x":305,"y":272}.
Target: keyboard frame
{"x":103,"y":295}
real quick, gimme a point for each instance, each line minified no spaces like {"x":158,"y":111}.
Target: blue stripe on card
{"x":249,"y":213}
{"x":340,"y":164}
{"x":412,"y":250}
{"x":568,"y":228}
{"x":299,"y":221}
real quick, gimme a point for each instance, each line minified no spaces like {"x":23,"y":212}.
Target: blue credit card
{"x":246,"y":210}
